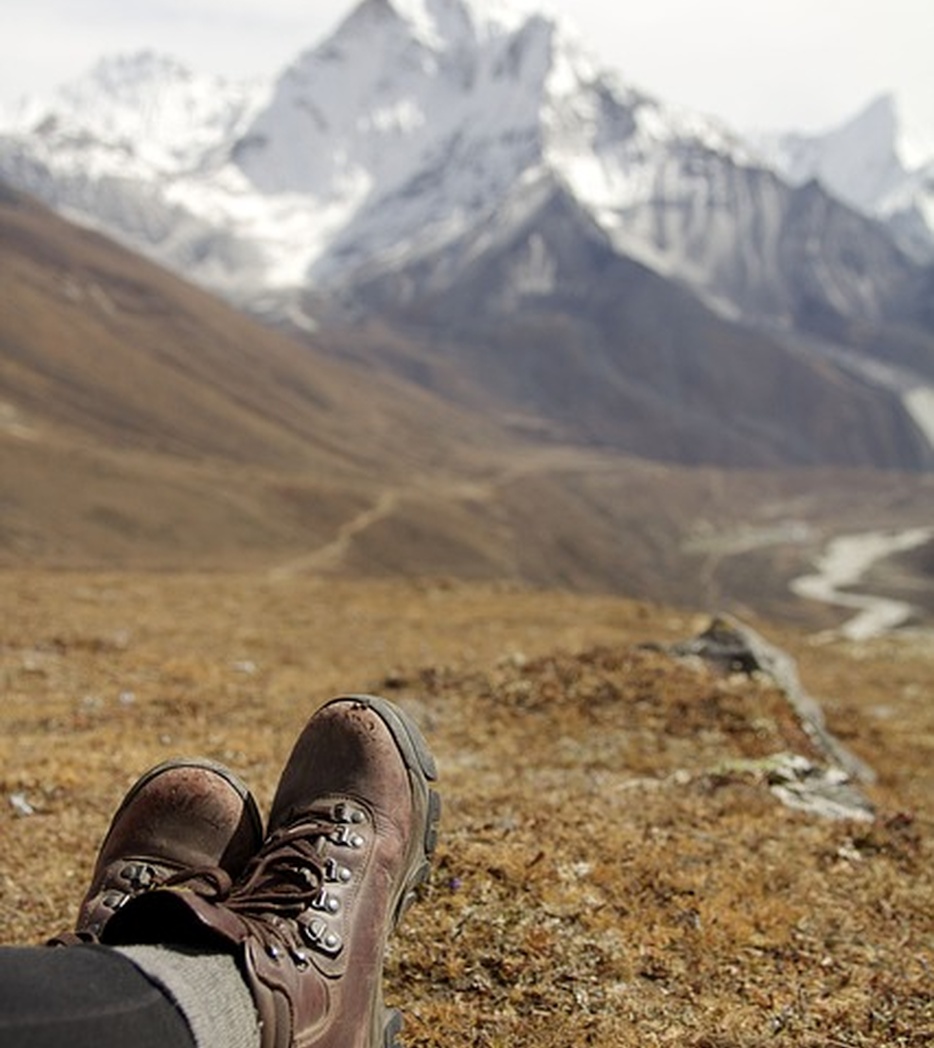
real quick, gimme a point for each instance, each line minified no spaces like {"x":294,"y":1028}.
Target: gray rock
{"x":827,"y":789}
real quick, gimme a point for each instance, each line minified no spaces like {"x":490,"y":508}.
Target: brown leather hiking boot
{"x":180,"y":817}
{"x":351,"y":832}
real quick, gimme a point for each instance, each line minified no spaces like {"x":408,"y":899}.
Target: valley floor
{"x":614,"y":868}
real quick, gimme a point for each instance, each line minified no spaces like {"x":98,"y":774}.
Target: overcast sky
{"x":758,"y":64}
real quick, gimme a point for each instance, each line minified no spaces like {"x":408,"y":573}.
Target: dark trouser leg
{"x":83,"y":997}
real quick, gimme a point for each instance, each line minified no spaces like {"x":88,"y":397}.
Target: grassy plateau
{"x":613,"y":869}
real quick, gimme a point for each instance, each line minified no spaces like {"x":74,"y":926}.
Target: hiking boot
{"x":180,"y":817}
{"x":351,"y":832}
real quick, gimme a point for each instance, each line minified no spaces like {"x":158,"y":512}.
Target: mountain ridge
{"x":393,"y":160}
{"x":329,"y":91}
{"x":145,"y":424}
{"x":871,"y":163}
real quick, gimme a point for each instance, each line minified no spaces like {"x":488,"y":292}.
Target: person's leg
{"x":83,"y":997}
{"x":179,"y":819}
{"x":208,"y":988}
{"x":351,"y":833}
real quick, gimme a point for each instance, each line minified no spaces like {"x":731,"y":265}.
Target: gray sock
{"x":208,"y":990}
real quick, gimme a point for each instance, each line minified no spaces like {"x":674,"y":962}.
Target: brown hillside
{"x":100,"y":344}
{"x":144,"y":423}
{"x":143,"y":420}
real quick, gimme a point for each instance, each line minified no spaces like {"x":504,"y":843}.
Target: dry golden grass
{"x":605,"y":876}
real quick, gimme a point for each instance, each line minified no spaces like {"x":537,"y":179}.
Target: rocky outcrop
{"x":829,"y":787}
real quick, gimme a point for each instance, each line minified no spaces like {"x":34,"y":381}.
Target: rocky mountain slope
{"x":425,"y":143}
{"x":144,"y":422}
{"x":872,"y":163}
{"x":613,"y":355}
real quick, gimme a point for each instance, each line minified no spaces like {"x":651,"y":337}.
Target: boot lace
{"x":291,"y":886}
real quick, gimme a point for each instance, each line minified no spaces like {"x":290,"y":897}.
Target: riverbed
{"x":844,"y":562}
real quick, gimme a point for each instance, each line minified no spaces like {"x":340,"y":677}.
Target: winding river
{"x":843,"y":563}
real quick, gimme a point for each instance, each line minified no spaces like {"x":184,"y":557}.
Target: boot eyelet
{"x":138,"y":875}
{"x":334,"y":873}
{"x":344,"y":813}
{"x":328,"y":903}
{"x":314,"y":931}
{"x":346,"y":838}
{"x":114,"y":899}
{"x":318,"y":936}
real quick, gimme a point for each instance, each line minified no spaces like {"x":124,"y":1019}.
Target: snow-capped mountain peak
{"x":439,"y":23}
{"x":418,"y":116}
{"x":403,"y":132}
{"x":872,"y":162}
{"x":397,"y":87}
{"x":146,"y":107}
{"x":859,"y":161}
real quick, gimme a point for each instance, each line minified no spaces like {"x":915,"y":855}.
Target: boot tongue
{"x":176,"y":916}
{"x":210,"y":882}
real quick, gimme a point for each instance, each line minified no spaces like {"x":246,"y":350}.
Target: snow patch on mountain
{"x":920,"y":405}
{"x":145,"y":109}
{"x":396,"y":135}
{"x":874,"y":163}
{"x":416,"y":124}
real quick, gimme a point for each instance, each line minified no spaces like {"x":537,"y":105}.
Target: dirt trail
{"x":332,"y":553}
{"x":481,"y":489}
